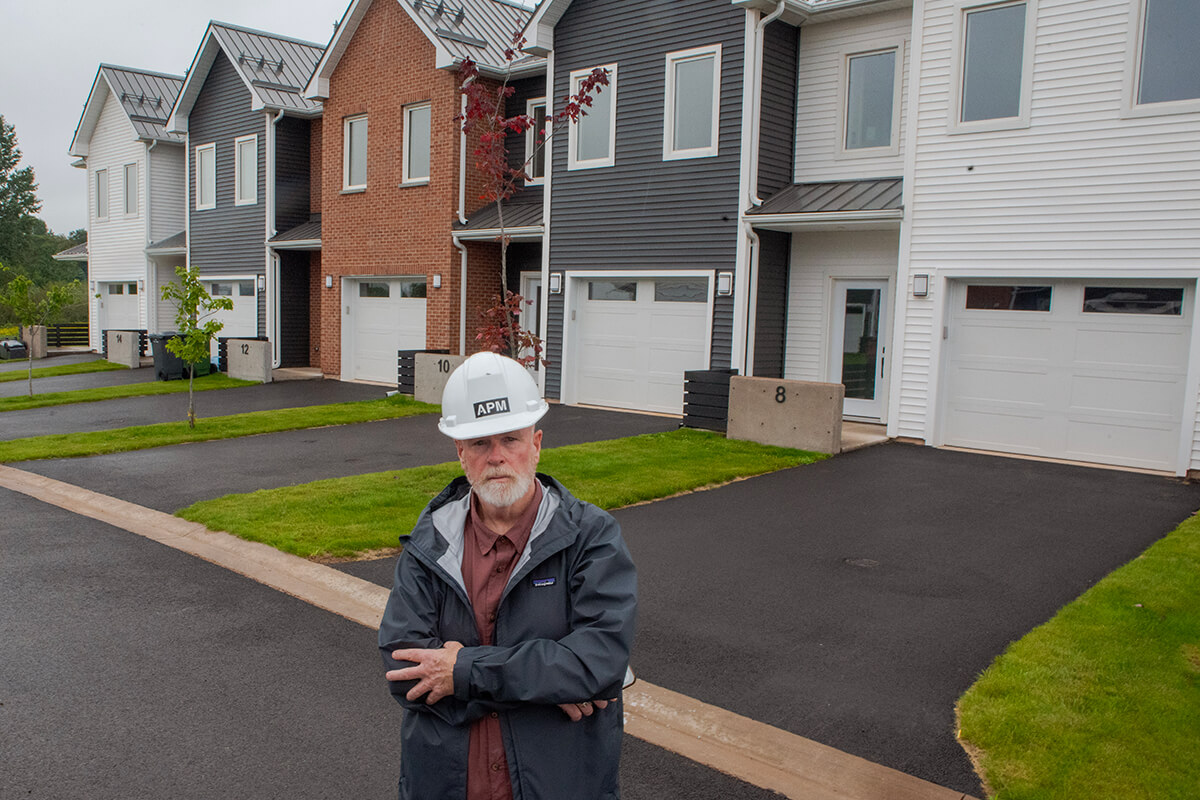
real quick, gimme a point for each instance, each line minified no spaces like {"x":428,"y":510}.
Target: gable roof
{"x":77,"y":253}
{"x":145,"y":97}
{"x":480,"y":30}
{"x":274,"y":69}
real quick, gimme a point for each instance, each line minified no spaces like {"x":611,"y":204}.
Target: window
{"x":222,"y":290}
{"x":131,"y":189}
{"x":692,"y":111}
{"x":206,"y":177}
{"x":412,"y":288}
{"x":625,"y":291}
{"x":995,"y":61}
{"x":101,"y":194}
{"x":416,"y":143}
{"x":132,"y":288}
{"x":1009,"y":298}
{"x":374,"y":290}
{"x":1132,"y":300}
{"x":535,"y":144}
{"x":245,"y":288}
{"x":681,"y":290}
{"x":1168,"y":61}
{"x":245,"y":170}
{"x":354,"y":157}
{"x":116,"y":288}
{"x":871,"y":88}
{"x":591,"y":140}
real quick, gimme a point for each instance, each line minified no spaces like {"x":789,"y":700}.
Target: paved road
{"x":170,"y":478}
{"x":52,"y":361}
{"x":853,"y":601}
{"x":67,"y":383}
{"x":132,"y":670}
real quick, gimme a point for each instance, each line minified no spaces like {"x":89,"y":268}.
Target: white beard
{"x":503,"y":495}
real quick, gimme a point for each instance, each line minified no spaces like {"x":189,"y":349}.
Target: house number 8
{"x":780,"y":394}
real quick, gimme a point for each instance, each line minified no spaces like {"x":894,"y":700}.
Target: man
{"x":508,"y":630}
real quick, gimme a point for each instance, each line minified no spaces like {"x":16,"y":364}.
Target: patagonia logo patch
{"x":543,"y":582}
{"x":485,"y":408}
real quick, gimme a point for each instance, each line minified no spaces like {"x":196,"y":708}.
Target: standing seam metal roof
{"x":480,"y":30}
{"x":146,"y":97}
{"x":276,"y":66}
{"x":880,"y":194}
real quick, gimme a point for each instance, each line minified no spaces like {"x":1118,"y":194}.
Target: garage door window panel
{"x":1132,"y":300}
{"x":116,"y":288}
{"x":222,"y":290}
{"x":611,"y":290}
{"x":1009,"y":298}
{"x":414,"y":289}
{"x":374,"y":290}
{"x":681,"y":290}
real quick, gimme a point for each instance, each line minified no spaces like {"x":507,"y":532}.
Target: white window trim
{"x":1130,"y":107}
{"x":210,"y":148}
{"x":346,"y":185}
{"x":405,"y":180}
{"x":238,"y":167}
{"x":531,"y":140}
{"x":841,"y":151}
{"x":102,"y":199}
{"x":669,"y":151}
{"x":611,"y":159}
{"x":958,"y":65}
{"x":125,"y":196}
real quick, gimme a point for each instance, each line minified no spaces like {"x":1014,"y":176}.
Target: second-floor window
{"x":131,"y":189}
{"x":535,"y":144}
{"x":354,"y":147}
{"x":101,"y":194}
{"x":871,"y":90}
{"x":206,"y":176}
{"x":1168,"y":63}
{"x":416,"y":143}
{"x":592,"y":140}
{"x":994,"y":57}
{"x":245,"y":170}
{"x":692,"y":112}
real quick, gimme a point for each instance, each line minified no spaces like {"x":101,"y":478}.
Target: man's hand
{"x":577,"y":711}
{"x":433,"y":671}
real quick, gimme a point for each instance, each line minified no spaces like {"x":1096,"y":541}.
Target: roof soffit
{"x":540,"y":30}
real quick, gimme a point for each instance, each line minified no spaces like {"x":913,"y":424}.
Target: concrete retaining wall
{"x":800,"y":414}
{"x":248,"y":359}
{"x":123,"y":348}
{"x":432,"y":371}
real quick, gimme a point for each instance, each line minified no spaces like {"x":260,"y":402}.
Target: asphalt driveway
{"x":853,"y":601}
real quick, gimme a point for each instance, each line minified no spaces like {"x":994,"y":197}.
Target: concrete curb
{"x":744,"y":748}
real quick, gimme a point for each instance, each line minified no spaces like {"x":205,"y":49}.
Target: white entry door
{"x":531,"y":314}
{"x":858,"y":345}
{"x":385,"y":315}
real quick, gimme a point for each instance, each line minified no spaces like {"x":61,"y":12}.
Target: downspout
{"x":462,"y":218}
{"x":462,"y":166}
{"x":462,"y":297}
{"x":271,"y":267}
{"x":152,"y":271}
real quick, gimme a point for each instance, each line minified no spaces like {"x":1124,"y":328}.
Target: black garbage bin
{"x":167,"y":365}
{"x":13,"y":348}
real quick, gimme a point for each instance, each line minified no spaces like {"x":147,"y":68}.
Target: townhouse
{"x":135,"y":194}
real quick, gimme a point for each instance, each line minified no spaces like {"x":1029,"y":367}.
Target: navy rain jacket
{"x":564,"y":630}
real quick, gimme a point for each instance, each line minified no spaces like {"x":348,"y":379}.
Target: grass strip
{"x":1103,"y":701}
{"x":119,"y":440}
{"x":214,"y":380}
{"x":343,"y":517}
{"x":62,"y":369}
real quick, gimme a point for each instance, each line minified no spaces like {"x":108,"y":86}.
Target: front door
{"x":858,"y":350}
{"x":531,"y":312}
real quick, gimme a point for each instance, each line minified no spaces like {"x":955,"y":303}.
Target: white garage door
{"x":1089,"y":371}
{"x":242,"y":320}
{"x":119,"y":306}
{"x":635,"y":338}
{"x":386,"y":315}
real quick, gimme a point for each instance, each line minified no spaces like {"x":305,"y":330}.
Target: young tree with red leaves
{"x":484,"y":116}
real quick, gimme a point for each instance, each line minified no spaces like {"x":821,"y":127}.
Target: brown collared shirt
{"x":488,"y":561}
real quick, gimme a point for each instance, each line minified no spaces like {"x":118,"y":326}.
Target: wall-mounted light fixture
{"x":141,"y":286}
{"x":262,"y":282}
{"x":920,"y":285}
{"x":555,"y":283}
{"x":92,"y":286}
{"x":437,"y":281}
{"x":328,"y":281}
{"x":724,"y":284}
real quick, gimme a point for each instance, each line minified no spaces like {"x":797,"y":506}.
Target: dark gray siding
{"x":291,"y":173}
{"x":770,"y":321}
{"x":645,"y":213}
{"x":777,"y":134}
{"x":227,"y":239}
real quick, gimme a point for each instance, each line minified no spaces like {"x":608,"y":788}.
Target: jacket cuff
{"x":462,"y":673}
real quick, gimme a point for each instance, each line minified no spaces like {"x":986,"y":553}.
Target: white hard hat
{"x":489,"y":394}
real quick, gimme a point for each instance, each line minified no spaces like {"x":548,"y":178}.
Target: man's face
{"x":501,"y":468}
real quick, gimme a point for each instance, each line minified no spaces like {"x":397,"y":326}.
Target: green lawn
{"x":1103,"y":701}
{"x":214,"y":380}
{"x":119,"y":440}
{"x":347,"y":516}
{"x":62,"y":369}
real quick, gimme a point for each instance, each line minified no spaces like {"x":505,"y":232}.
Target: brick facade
{"x":388,"y":229}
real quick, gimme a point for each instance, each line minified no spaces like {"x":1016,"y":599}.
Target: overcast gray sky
{"x":50,"y":49}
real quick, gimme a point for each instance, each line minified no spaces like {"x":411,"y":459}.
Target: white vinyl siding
{"x":417,"y":134}
{"x":592,"y":140}
{"x":245,"y":170}
{"x":130,"y":188}
{"x":354,"y":153}
{"x":692,"y":109}
{"x":824,"y":48}
{"x":166,"y":178}
{"x":206,"y":177}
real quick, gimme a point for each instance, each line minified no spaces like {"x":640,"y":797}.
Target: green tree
{"x":195,"y":311}
{"x":18,"y":199}
{"x":29,"y":310}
